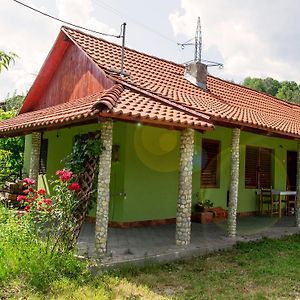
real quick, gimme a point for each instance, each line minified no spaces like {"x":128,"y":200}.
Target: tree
{"x":290,"y":91}
{"x":11,"y":149}
{"x":6,"y":59}
{"x":271,"y":86}
{"x":255,"y":84}
{"x":286,"y":90}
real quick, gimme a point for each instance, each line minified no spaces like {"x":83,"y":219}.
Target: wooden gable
{"x":67,"y":74}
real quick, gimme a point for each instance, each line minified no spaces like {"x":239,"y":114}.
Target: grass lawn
{"x":266,"y":269}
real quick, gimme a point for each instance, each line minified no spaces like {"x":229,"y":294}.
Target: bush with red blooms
{"x":52,"y":218}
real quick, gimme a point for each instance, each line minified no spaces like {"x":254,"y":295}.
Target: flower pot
{"x":206,"y":217}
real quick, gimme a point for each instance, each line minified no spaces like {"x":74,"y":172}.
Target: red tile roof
{"x":156,"y":91}
{"x":225,"y":102}
{"x":125,"y":103}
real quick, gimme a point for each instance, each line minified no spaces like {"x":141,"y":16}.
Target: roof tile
{"x":223,"y":100}
{"x":122,"y":101}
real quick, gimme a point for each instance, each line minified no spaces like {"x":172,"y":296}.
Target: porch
{"x":157,"y":243}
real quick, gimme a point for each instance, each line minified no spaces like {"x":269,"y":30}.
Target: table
{"x":280,"y":194}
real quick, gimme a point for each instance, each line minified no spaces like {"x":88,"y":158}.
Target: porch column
{"x":234,"y":181}
{"x":103,"y":188}
{"x":298,"y":187}
{"x":35,"y":156}
{"x":184,"y":203}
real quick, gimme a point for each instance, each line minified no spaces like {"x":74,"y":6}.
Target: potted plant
{"x":203,"y":206}
{"x":201,"y":211}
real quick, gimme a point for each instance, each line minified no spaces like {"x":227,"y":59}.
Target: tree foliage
{"x":6,"y":59}
{"x":11,"y":149}
{"x":286,"y":90}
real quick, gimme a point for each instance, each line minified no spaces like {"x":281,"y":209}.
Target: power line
{"x":106,"y":6}
{"x":65,"y":22}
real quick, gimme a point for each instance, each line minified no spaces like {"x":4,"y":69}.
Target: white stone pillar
{"x":298,"y":187}
{"x":184,"y":203}
{"x":103,"y":189}
{"x":35,"y":156}
{"x":234,"y":181}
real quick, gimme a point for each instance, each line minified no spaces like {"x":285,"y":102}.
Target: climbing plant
{"x":86,"y":146}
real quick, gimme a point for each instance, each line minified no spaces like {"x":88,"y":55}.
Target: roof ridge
{"x":181,"y":106}
{"x":109,"y":99}
{"x":127,"y":48}
{"x":282,"y":101}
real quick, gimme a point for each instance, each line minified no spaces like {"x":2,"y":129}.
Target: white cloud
{"x":75,"y":12}
{"x":254,"y":38}
{"x":31,"y":36}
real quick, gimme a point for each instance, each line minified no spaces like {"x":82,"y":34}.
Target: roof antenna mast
{"x":122,"y":35}
{"x":198,"y":48}
{"x":198,"y":42}
{"x":123,"y":29}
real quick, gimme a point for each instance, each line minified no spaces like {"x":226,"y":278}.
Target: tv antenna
{"x":122,"y":35}
{"x":198,"y":48}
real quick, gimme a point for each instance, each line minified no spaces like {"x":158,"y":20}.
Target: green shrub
{"x":24,"y":256}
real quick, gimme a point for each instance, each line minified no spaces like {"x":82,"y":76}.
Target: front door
{"x":291,"y":170}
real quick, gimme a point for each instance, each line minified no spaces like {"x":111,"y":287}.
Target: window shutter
{"x":210,"y":163}
{"x":265,"y":168}
{"x":43,"y":156}
{"x":291,"y":167}
{"x":258,"y":167}
{"x":251,"y":167}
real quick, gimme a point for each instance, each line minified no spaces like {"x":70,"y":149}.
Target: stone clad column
{"x":234,"y":181}
{"x":103,"y":188}
{"x":184,"y":203}
{"x":298,"y":187}
{"x":35,"y":156}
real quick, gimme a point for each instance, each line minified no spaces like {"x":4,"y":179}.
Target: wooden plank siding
{"x":73,"y":77}
{"x":76,"y":77}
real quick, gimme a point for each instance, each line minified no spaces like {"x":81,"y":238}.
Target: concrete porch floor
{"x":157,"y":243}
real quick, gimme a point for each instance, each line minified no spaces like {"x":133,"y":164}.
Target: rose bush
{"x":52,"y":218}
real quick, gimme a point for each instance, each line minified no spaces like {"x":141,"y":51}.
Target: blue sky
{"x":251,"y":38}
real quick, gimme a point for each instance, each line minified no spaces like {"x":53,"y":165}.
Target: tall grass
{"x":24,"y":257}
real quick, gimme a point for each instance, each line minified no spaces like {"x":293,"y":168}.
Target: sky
{"x":251,"y":38}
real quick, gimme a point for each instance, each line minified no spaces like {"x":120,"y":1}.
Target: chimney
{"x":196,"y":73}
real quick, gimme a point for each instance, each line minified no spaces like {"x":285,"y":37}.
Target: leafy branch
{"x":6,"y":59}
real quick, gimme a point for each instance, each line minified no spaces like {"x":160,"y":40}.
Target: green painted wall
{"x":60,"y":143}
{"x":151,"y":173}
{"x":247,"y":198}
{"x":144,"y":180}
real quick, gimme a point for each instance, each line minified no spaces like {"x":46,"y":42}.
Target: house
{"x":177,"y":131}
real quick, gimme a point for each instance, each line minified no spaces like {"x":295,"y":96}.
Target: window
{"x":210,"y":163}
{"x":258,"y":167}
{"x":43,"y":156}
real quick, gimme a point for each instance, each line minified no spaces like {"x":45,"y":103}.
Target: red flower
{"x":60,"y":172}
{"x":41,"y":192}
{"x":29,"y":181}
{"x":64,"y":175}
{"x":48,"y":201}
{"x":22,"y":198}
{"x":27,"y":208}
{"x":27,"y":191}
{"x":34,"y":198}
{"x":74,"y":187}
